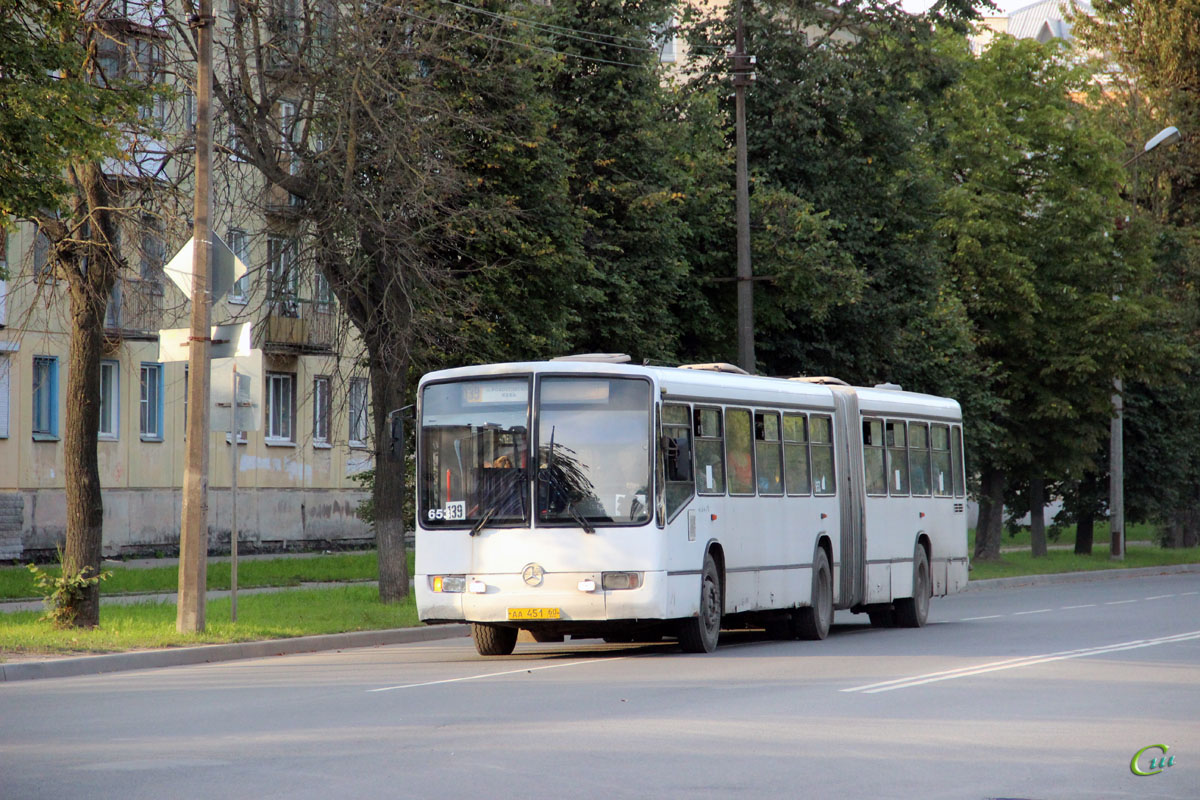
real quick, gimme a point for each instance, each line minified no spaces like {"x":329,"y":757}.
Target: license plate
{"x":534,"y":613}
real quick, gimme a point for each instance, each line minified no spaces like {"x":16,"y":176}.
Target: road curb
{"x":180,"y":656}
{"x":1079,"y":577}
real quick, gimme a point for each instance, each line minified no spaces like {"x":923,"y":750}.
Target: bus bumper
{"x":563,"y":596}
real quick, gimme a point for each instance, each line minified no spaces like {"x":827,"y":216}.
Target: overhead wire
{"x":593,"y":37}
{"x":571,"y":33}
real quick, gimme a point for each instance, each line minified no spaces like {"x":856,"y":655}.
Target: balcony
{"x":300,"y":327}
{"x":135,"y":310}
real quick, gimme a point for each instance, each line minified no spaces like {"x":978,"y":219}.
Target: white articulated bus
{"x":584,"y":497}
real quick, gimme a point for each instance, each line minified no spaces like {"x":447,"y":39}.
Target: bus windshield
{"x":594,"y":439}
{"x":475,"y":453}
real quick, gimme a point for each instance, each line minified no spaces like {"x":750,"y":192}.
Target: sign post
{"x":236,"y":414}
{"x":229,"y":347}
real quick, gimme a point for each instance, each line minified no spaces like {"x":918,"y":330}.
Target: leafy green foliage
{"x":64,"y":590}
{"x":56,"y":109}
{"x":1057,"y":295}
{"x":842,"y":193}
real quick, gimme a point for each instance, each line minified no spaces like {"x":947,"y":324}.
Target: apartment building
{"x":295,"y":475}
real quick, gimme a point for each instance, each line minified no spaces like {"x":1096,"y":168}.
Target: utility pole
{"x":1116,"y":443}
{"x":743,"y":76}
{"x":193,"y":537}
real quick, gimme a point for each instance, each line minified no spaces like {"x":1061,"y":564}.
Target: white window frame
{"x":280,"y":408}
{"x":5,"y":389}
{"x":239,"y":243}
{"x":150,"y":402}
{"x":283,"y":275}
{"x":322,"y":294}
{"x":110,"y":400}
{"x":358,"y":404}
{"x":321,"y":410}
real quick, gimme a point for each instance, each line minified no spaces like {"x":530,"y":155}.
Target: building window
{"x":5,"y":366}
{"x":189,"y":110}
{"x":42,"y":268}
{"x":149,"y":59}
{"x":45,"y":397}
{"x":152,"y":255}
{"x":110,"y":399}
{"x":151,"y":404}
{"x":321,"y":411}
{"x":239,"y":243}
{"x":322,"y":294}
{"x":358,"y":412}
{"x":282,"y":276}
{"x":281,"y":408}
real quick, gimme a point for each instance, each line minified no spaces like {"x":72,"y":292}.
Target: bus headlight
{"x":447,"y":583}
{"x":621,"y":580}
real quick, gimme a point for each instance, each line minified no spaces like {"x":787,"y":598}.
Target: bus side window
{"x":767,"y":459}
{"x":873,"y":456}
{"x":798,"y":478}
{"x":820,"y":430}
{"x":897,"y":450}
{"x":939,"y":438}
{"x":739,"y":447}
{"x":710,"y":451}
{"x":918,"y":457}
{"x":957,"y":471}
{"x":677,"y":457}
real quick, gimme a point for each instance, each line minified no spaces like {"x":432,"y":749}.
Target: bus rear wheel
{"x":813,"y":622}
{"x":493,"y":640}
{"x":699,"y":634}
{"x":912,"y":612}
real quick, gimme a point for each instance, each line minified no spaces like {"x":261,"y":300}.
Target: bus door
{"x":851,"y":498}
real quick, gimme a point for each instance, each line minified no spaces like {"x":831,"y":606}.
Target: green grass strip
{"x":17,"y":582}
{"x":1013,"y":565}
{"x":276,"y":615}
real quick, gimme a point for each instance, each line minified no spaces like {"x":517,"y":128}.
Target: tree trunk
{"x":388,"y":392}
{"x":1037,"y":516}
{"x":1085,"y":531}
{"x":1191,"y":528}
{"x":90,"y":271}
{"x":85,"y":507}
{"x":991,"y":515}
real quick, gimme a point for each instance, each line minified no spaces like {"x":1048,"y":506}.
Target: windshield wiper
{"x":487,"y":516}
{"x":580,"y":518}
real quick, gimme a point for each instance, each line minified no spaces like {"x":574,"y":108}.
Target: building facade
{"x":296,"y":481}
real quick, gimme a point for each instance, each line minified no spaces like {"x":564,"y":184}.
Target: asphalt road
{"x":1043,"y":692}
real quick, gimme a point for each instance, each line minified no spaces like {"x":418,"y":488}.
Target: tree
{"x":423,"y":158}
{"x":1058,"y":297}
{"x":74,"y":161}
{"x":1157,"y":49}
{"x":842,"y":194}
{"x":1157,"y":46}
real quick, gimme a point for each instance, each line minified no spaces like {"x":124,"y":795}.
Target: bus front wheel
{"x":912,"y":612}
{"x":699,"y":634}
{"x":493,"y":640}
{"x":813,"y":622}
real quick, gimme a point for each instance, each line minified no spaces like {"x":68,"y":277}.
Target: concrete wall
{"x":146,"y":521}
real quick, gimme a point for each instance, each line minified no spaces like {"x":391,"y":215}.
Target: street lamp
{"x":1116,"y":447}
